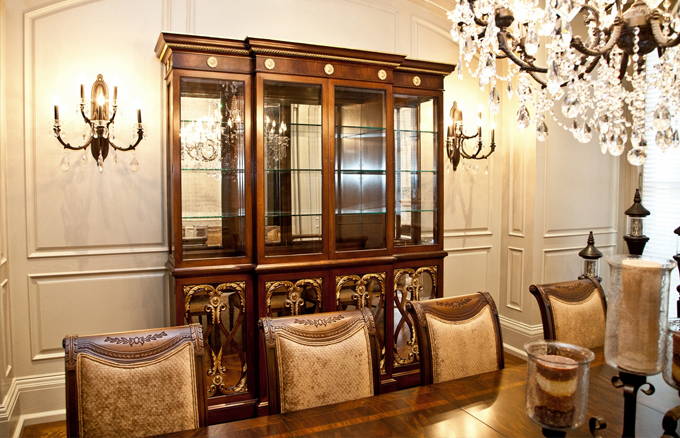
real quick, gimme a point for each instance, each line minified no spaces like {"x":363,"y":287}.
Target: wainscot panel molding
{"x":93,"y":302}
{"x":515,"y":278}
{"x":467,"y":270}
{"x":5,"y":334}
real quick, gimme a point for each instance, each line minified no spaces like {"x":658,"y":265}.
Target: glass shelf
{"x":415,"y":211}
{"x":280,"y":214}
{"x":305,"y":124}
{"x":234,"y":125}
{"x":415,"y":131}
{"x":293,"y":170}
{"x":187,"y":169}
{"x":223,"y":216}
{"x":362,"y":171}
{"x":416,"y":171}
{"x":368,"y":128}
{"x":359,"y":212}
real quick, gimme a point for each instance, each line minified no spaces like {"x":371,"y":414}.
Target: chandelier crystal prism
{"x":600,"y":79}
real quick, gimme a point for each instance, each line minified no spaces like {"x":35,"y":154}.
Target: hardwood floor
{"x":57,"y":429}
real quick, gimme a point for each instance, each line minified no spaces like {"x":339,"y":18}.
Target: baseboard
{"x":521,"y":328}
{"x":9,"y":402}
{"x":37,"y":418}
{"x":515,"y":351}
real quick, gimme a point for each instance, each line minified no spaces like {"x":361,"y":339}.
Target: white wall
{"x":87,"y":251}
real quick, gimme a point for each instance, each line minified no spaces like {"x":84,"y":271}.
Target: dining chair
{"x":572,"y":311}
{"x":320,"y":359}
{"x":458,"y":336}
{"x":134,"y":384}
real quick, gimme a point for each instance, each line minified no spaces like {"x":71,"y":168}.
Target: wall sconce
{"x":455,"y":138}
{"x":636,"y":213}
{"x":99,"y":133}
{"x":591,"y":260}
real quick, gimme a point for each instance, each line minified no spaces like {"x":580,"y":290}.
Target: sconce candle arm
{"x":113,"y":116}
{"x":82,"y":113}
{"x":57,"y":133}
{"x":140,"y":137}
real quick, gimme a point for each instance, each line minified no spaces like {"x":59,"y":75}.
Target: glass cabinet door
{"x":293,"y":158}
{"x":415,"y":159}
{"x":212,"y":149}
{"x":360,"y":169}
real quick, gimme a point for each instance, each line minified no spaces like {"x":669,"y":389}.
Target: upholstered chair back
{"x":572,"y":311}
{"x":320,"y":359}
{"x":135,"y":384}
{"x":457,"y":337}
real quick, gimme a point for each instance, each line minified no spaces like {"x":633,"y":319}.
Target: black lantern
{"x":591,"y":260}
{"x":635,"y":238}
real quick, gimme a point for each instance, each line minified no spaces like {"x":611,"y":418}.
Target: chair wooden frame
{"x":569,"y":291}
{"x":128,"y":348}
{"x":458,"y":308}
{"x":309,"y":329}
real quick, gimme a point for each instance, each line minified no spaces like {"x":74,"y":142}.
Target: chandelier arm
{"x":659,"y":38}
{"x":115,"y":110}
{"x":624,"y":66}
{"x":57,"y":131}
{"x":140,"y":137}
{"x":478,"y":21}
{"x":613,"y":39}
{"x":502,"y":44}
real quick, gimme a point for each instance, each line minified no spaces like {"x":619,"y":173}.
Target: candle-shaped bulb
{"x":266,"y":120}
{"x":283,"y":125}
{"x":493,"y":132}
{"x":115,"y":93}
{"x":479,"y":117}
{"x":82,"y":91}
{"x":139,"y":115}
{"x":55,"y":101}
{"x":100,"y":99}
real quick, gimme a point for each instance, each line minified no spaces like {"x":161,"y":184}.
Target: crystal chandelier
{"x":275,"y":140}
{"x":217,"y":134}
{"x":99,"y":130}
{"x":595,"y":80}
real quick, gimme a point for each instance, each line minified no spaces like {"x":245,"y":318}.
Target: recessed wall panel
{"x":466,"y":271}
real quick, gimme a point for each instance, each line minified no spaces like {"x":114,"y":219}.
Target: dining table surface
{"x":484,"y":405}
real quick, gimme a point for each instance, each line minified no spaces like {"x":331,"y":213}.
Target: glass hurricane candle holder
{"x":637,"y":312}
{"x":671,"y":368}
{"x":557,"y":384}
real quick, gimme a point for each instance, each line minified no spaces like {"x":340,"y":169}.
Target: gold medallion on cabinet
{"x":212,"y":62}
{"x":329,"y":69}
{"x":416,"y":80}
{"x":382,"y":74}
{"x":269,"y":63}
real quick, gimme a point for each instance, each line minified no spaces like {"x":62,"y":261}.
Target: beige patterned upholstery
{"x":579,"y":323}
{"x":320,"y":359}
{"x":572,"y":312}
{"x":457,"y":337}
{"x":135,"y":384}
{"x":324,"y":374}
{"x":474,"y":349}
{"x":154,"y":398}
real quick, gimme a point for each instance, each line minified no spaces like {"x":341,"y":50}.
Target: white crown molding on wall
{"x":33,"y":248}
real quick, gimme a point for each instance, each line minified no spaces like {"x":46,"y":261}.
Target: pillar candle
{"x":640,"y":304}
{"x":56,"y":112}
{"x":82,"y":91}
{"x":139,"y":116}
{"x":115,"y":92}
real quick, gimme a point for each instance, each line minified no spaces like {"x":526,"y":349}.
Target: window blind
{"x":661,"y":191}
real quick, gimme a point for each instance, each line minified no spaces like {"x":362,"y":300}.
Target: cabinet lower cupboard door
{"x":298,"y":297}
{"x":410,"y":284}
{"x":221,"y":311}
{"x":364,"y":291}
{"x":212,"y":154}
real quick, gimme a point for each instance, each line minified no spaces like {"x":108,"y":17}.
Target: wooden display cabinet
{"x":301,"y":179}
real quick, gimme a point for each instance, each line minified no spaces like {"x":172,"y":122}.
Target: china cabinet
{"x":301,"y":179}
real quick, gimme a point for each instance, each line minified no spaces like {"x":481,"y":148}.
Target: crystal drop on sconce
{"x":64,"y":164}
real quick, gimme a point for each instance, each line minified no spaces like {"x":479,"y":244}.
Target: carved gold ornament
{"x":220,"y":341}
{"x":416,"y":80}
{"x":295,"y":297}
{"x":212,"y":62}
{"x":382,"y":74}
{"x":328,"y":68}
{"x":404,"y":292}
{"x":269,"y":63}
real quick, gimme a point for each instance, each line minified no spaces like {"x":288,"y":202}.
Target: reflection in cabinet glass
{"x":212,"y":166}
{"x":415,"y":138}
{"x":360,"y":169}
{"x":221,"y":312}
{"x":356,"y":292}
{"x":410,"y":285}
{"x":293,"y":168}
